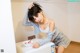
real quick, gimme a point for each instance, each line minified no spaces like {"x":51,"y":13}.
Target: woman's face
{"x":39,"y":18}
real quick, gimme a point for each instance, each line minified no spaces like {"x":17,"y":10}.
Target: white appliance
{"x":47,"y":48}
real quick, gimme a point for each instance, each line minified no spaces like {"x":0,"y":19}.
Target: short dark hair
{"x":33,"y":11}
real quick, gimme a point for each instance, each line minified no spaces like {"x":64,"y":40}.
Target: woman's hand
{"x":36,"y":45}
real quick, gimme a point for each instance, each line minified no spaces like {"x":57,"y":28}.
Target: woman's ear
{"x":41,"y":13}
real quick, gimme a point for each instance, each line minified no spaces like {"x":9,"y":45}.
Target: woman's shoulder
{"x":51,"y":22}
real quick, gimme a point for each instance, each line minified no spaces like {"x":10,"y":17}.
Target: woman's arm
{"x":26,"y":22}
{"x":41,"y":42}
{"x":48,"y":39}
{"x":52,"y":25}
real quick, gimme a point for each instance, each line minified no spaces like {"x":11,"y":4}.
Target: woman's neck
{"x":45,"y":21}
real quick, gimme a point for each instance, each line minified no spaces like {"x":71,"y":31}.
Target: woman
{"x":43,"y":24}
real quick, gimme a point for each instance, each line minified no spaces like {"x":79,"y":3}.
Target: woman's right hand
{"x":36,"y":45}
